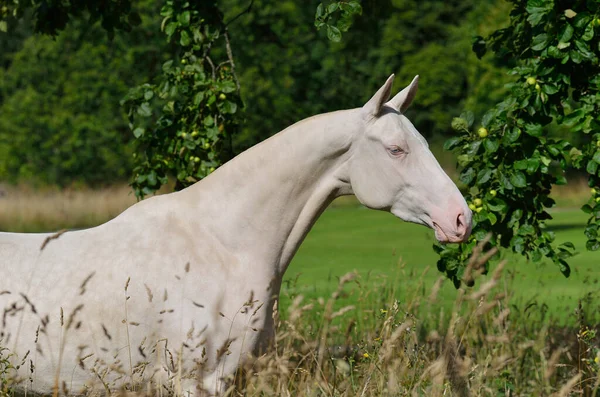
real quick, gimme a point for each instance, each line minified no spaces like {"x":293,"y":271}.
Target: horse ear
{"x":373,"y":107}
{"x":402,"y":101}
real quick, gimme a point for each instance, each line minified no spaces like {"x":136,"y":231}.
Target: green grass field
{"x":376,"y":245}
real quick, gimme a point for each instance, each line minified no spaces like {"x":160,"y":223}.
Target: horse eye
{"x":395,"y":150}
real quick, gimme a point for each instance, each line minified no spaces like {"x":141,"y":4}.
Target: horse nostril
{"x":461,"y":225}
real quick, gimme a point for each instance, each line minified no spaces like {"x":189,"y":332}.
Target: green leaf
{"x":564,"y":268}
{"x":170,"y":28}
{"x":520,"y":164}
{"x":148,"y":95}
{"x":592,"y":245}
{"x":592,"y":167}
{"x":596,"y":157}
{"x":535,"y":130}
{"x":526,"y":230}
{"x":185,"y":39}
{"x":208,"y":121}
{"x":483,"y":176}
{"x":582,"y":19}
{"x":584,"y":49}
{"x":228,"y":107}
{"x":549,"y":89}
{"x":570,"y":13}
{"x":3,"y":26}
{"x":184,"y":18}
{"x":469,"y":117}
{"x":516,"y":215}
{"x":505,"y":181}
{"x":463,"y":160}
{"x":331,"y":8}
{"x":473,"y":148}
{"x":467,"y":176}
{"x":492,"y":218}
{"x":591,"y":232}
{"x":344,"y":23}
{"x":497,"y":205}
{"x":554,"y":52}
{"x":532,"y":165}
{"x":488,"y":117}
{"x":566,"y":33}
{"x":320,"y":11}
{"x":518,"y":179}
{"x":333,"y":33}
{"x":517,"y":243}
{"x":560,"y":180}
{"x":491,"y":145}
{"x":537,"y":10}
{"x":589,"y":32}
{"x":512,"y":135}
{"x":198,"y":98}
{"x":227,"y":86}
{"x":352,"y":7}
{"x":452,"y":142}
{"x":138,"y":132}
{"x":540,"y":42}
{"x":166,"y":67}
{"x":144,"y":110}
{"x":152,"y":178}
{"x":576,"y":56}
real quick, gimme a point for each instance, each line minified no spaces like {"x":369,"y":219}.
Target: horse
{"x":189,"y":279}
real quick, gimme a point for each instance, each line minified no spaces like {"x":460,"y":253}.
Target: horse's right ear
{"x":373,"y":107}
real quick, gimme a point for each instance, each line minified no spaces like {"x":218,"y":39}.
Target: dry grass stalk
{"x":23,"y":209}
{"x":401,"y":348}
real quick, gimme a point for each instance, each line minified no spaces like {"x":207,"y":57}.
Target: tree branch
{"x":230,"y":56}
{"x":240,"y":14}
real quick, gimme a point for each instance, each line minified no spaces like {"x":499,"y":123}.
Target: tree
{"x":184,"y":123}
{"x":59,"y":99}
{"x":510,"y":160}
{"x":51,"y":16}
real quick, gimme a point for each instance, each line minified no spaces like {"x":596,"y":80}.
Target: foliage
{"x":198,"y":98}
{"x":52,"y":16}
{"x":511,"y":162}
{"x":5,"y":371}
{"x":341,"y":12}
{"x":61,"y":121}
{"x":287,"y":68}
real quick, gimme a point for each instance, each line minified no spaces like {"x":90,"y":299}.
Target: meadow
{"x":364,"y":310}
{"x":377,"y":245}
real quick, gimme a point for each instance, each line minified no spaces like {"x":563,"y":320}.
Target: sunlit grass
{"x":23,"y":209}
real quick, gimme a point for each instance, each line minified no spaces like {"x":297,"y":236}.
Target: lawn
{"x":376,"y":245}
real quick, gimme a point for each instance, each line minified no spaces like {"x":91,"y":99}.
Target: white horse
{"x":184,"y":284}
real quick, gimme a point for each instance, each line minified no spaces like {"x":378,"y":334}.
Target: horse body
{"x":188,"y":280}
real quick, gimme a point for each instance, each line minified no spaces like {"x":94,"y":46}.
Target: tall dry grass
{"x":484,"y":346}
{"x":370,"y":344}
{"x":24,"y":209}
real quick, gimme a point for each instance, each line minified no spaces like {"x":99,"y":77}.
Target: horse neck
{"x":267,"y":198}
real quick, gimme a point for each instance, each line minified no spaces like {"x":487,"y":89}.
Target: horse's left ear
{"x":373,"y":107}
{"x":402,"y":101}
